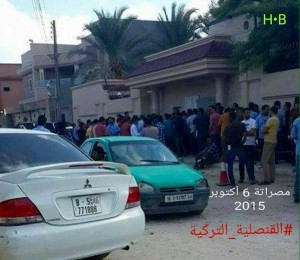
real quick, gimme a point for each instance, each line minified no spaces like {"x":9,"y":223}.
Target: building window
{"x":6,"y":89}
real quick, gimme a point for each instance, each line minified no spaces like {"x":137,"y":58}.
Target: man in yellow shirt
{"x":270,"y":131}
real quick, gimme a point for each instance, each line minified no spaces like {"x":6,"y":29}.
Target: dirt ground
{"x":169,"y":236}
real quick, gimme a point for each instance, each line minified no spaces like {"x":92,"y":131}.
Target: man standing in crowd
{"x":294,"y":111}
{"x":287,"y":112}
{"x":253,"y":114}
{"x":149,"y":130}
{"x":75,"y":130}
{"x":112,"y":128}
{"x":125,"y":127}
{"x":224,"y":121}
{"x":235,"y":106}
{"x":235,"y":135}
{"x":201,"y":123}
{"x":133,"y":129}
{"x":295,"y":136}
{"x":100,"y":128}
{"x":190,"y":122}
{"x":261,"y":121}
{"x":219,"y":108}
{"x":42,"y":120}
{"x":280,"y":134}
{"x":270,"y":132}
{"x":141,"y":123}
{"x":249,"y":144}
{"x":213,"y":130}
{"x":60,"y":127}
{"x":161,"y":129}
{"x":88,"y":128}
{"x":81,"y":134}
{"x":169,"y":130}
{"x":179,"y":126}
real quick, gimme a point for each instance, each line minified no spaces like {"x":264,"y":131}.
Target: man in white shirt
{"x":133,"y":129}
{"x":42,"y":120}
{"x":192,"y":136}
{"x":249,"y":144}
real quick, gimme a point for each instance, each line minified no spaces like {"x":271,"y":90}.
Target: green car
{"x":166,"y":185}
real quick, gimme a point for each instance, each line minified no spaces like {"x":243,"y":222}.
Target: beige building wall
{"x":266,"y":88}
{"x":237,"y":27}
{"x":284,"y":84}
{"x":232,"y":91}
{"x":175,"y":94}
{"x":90,"y":101}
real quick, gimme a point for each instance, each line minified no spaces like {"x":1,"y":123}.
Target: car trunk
{"x":70,"y":196}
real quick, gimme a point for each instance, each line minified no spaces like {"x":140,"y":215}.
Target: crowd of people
{"x":213,"y":135}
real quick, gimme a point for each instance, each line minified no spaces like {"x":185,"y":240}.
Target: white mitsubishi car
{"x":55,"y":203}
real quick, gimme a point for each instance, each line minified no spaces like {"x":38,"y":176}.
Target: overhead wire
{"x":36,"y":17}
{"x":40,"y":11}
{"x":40,"y":21}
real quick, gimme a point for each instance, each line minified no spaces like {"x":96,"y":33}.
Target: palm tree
{"x":117,"y":53}
{"x":180,"y":27}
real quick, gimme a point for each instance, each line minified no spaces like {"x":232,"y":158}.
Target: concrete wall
{"x":26,"y":59}
{"x":175,"y":93}
{"x":233,"y":27}
{"x":13,"y":96}
{"x":28,"y":91}
{"x":280,"y":84}
{"x":42,"y":48}
{"x":232,"y":91}
{"x":9,"y":79}
{"x":90,"y":101}
{"x":266,"y":88}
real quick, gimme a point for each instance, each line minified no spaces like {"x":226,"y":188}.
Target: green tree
{"x":224,"y":8}
{"x":179,"y":27}
{"x":117,"y":53}
{"x":275,"y":47}
{"x":204,"y":22}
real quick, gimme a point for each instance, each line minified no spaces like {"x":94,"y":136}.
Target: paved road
{"x":168,"y":236}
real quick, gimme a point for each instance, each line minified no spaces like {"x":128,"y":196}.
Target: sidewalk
{"x":284,"y":172}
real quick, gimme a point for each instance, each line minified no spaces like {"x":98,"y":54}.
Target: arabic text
{"x":241,"y":231}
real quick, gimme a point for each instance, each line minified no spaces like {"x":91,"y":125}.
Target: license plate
{"x":86,"y":205}
{"x":179,"y":197}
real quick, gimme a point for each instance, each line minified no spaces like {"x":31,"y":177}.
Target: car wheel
{"x":97,"y":257}
{"x":197,"y":212}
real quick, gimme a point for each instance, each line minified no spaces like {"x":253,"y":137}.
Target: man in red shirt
{"x":100,"y":129}
{"x":214,"y":130}
{"x":125,"y":127}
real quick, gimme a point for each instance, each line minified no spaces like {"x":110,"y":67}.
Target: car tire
{"x":197,"y":212}
{"x":97,"y":257}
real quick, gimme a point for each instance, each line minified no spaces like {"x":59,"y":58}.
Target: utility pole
{"x":55,"y":56}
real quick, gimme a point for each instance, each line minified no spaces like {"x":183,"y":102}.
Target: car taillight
{"x":133,"y":197}
{"x":19,"y":211}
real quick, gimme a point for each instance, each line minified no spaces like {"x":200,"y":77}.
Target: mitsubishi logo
{"x":87,"y":184}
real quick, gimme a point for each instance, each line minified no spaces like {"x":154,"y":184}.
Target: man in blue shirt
{"x":295,"y":136}
{"x":112,"y":128}
{"x":261,"y":121}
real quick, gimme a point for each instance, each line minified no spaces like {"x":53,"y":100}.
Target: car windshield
{"x":137,"y":153}
{"x":19,"y":151}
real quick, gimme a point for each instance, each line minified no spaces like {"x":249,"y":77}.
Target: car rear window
{"x":19,"y":151}
{"x":141,"y":153}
